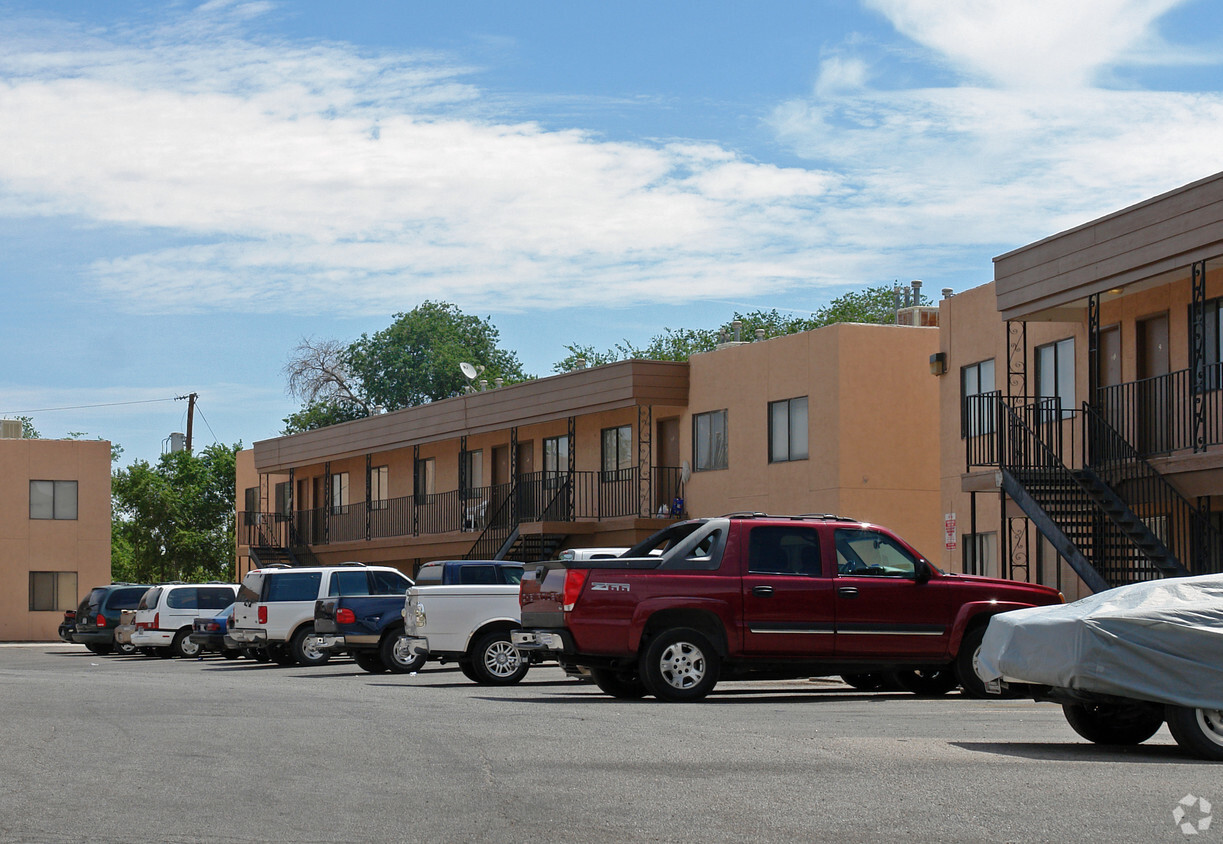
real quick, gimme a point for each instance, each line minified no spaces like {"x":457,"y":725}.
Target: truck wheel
{"x":619,"y":684}
{"x":396,"y":657}
{"x":468,"y":671}
{"x":304,"y":650}
{"x":369,"y":661}
{"x":495,"y":661}
{"x":125,"y":648}
{"x":966,"y":669}
{"x":680,"y":665}
{"x":182,"y":645}
{"x":1114,"y":723}
{"x":1200,"y":731}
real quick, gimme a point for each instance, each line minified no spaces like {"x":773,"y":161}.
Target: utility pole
{"x":190,"y":397}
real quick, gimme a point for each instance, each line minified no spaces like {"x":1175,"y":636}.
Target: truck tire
{"x":1200,"y":731}
{"x":396,"y":657}
{"x":495,"y":661}
{"x":369,"y":661}
{"x":125,"y":648}
{"x":1114,"y":723}
{"x":966,"y":670}
{"x":926,"y":682}
{"x":303,"y":649}
{"x":468,"y":671}
{"x":873,"y":682}
{"x":618,"y":684}
{"x":182,"y":646}
{"x":680,"y":665}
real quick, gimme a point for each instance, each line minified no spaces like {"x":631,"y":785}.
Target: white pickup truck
{"x":463,"y":611}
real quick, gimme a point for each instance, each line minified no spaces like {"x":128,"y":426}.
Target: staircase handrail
{"x":1119,"y":462}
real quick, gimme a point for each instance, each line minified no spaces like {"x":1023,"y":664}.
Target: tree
{"x":413,"y":361}
{"x":173,"y":520}
{"x":28,"y":431}
{"x":871,"y":305}
{"x":416,"y":359}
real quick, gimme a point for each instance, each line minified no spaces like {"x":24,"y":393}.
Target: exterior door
{"x":876,"y":582}
{"x":1154,"y":397}
{"x":501,"y":465}
{"x":788,"y":599}
{"x":667,"y":465}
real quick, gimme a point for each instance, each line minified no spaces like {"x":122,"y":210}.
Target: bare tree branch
{"x":316,"y":371}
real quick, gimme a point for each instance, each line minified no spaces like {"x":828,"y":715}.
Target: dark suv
{"x":98,"y":616}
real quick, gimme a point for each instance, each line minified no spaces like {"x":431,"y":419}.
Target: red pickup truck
{"x":750,"y":596}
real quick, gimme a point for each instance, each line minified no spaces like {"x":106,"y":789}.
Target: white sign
{"x":949,"y":530}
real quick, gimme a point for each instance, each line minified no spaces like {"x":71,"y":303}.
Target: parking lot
{"x":136,"y":748}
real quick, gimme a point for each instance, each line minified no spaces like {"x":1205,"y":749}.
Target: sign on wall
{"x":949,"y":530}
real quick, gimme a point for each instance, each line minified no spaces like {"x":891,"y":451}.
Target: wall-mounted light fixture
{"x":938,"y":363}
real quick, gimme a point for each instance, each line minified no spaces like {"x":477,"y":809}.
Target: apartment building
{"x":836,"y":420}
{"x":54,"y":530}
{"x":1082,"y":402}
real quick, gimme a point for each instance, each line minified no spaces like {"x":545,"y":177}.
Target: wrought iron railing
{"x":1168,"y":412}
{"x":497,"y":509}
{"x":1182,"y":528}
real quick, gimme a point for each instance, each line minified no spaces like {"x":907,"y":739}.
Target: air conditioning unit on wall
{"x":10,"y":429}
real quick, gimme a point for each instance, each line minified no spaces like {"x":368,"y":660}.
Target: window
{"x":53,"y":499}
{"x":52,"y":590}
{"x":349,"y":583}
{"x":556,"y":461}
{"x":389,"y":583}
{"x":250,"y":497}
{"x":617,"y":453}
{"x":1055,"y":376}
{"x":199,"y":598}
{"x":379,"y":480}
{"x":478,"y":575}
{"x":868,"y":553}
{"x":709,"y":449}
{"x":980,"y":551}
{"x":422,"y":480}
{"x":788,"y":430}
{"x":784,"y":550}
{"x":292,"y":586}
{"x":339,"y":493}
{"x":977,"y":417}
{"x":473,"y":464}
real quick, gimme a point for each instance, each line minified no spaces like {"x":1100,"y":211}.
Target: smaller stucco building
{"x":54,"y":531}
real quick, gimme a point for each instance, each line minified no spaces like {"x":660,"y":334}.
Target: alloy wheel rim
{"x":502,"y":659}
{"x":1211,"y":723}
{"x":682,"y":665}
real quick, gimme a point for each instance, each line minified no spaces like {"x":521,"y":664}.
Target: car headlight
{"x":419,"y":613}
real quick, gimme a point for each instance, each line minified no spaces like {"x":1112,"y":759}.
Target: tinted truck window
{"x":349,"y":583}
{"x":389,"y":582}
{"x":126,"y":599}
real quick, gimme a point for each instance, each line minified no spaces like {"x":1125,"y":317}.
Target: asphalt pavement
{"x":99,"y":749}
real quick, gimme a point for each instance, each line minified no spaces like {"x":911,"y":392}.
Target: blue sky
{"x":187,"y":189}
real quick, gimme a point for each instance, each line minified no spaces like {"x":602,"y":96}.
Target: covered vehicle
{"x":1122,"y":662}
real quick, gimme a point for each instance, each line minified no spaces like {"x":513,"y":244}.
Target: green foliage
{"x":872,"y":305}
{"x":28,"y":431}
{"x":174,"y":520}
{"x":320,"y":414}
{"x":416,"y":359}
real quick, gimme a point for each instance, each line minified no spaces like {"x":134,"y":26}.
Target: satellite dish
{"x":469,"y":371}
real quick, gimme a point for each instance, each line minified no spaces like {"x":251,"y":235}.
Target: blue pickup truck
{"x":370,"y":627}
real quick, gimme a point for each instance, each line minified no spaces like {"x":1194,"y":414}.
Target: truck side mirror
{"x":922,"y":574}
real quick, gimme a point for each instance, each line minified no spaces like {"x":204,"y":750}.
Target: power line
{"x":85,"y":406}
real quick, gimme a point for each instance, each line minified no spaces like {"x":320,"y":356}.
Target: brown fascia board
{"x":578,"y":393}
{"x":1156,"y":236}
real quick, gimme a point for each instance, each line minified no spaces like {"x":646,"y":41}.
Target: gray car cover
{"x":1160,"y":641}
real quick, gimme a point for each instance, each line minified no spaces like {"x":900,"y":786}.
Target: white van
{"x":165,"y":615}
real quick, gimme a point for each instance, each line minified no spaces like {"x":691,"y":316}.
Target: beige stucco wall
{"x":872,"y":427}
{"x":81,"y":545}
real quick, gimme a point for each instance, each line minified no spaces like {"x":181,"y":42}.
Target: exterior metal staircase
{"x":1114,"y":518}
{"x":503,"y":538}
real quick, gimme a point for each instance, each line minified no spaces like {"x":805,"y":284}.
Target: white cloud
{"x":1035,"y":43}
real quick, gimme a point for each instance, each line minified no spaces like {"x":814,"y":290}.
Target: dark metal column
{"x":369,"y":488}
{"x":572,"y":479}
{"x":1197,"y":356}
{"x":513,"y":488}
{"x":463,"y":479}
{"x":644,"y":446}
{"x":326,"y":501}
{"x":417,"y":492}
{"x":1016,"y":359}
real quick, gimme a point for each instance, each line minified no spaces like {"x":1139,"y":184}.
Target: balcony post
{"x":1197,"y":355}
{"x":1093,"y":375}
{"x":369,"y":488}
{"x":644,"y":445}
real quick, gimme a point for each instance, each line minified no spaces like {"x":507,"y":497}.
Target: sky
{"x":188,"y":189}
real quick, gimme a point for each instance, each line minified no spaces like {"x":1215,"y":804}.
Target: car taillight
{"x":345,"y":616}
{"x":156,"y":621}
{"x":263,"y":615}
{"x":575,"y":579}
{"x":101,"y":620}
